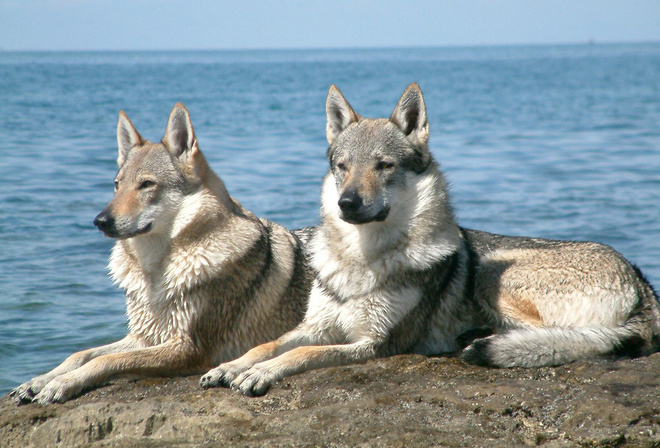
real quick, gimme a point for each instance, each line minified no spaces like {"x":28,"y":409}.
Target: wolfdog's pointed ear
{"x":340,"y":114}
{"x":410,"y":115}
{"x":179,"y":135}
{"x":127,"y":137}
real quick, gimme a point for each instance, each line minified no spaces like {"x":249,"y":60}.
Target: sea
{"x":545,"y":141}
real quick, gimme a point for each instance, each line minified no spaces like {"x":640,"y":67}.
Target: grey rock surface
{"x":405,"y":401}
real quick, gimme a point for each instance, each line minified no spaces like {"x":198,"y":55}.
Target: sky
{"x":38,"y":25}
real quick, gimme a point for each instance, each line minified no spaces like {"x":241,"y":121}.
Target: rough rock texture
{"x":404,"y":401}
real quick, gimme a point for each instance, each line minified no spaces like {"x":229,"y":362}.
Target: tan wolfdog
{"x":205,"y":280}
{"x":396,"y":274}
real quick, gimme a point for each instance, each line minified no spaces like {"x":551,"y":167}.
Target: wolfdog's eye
{"x":146,"y":184}
{"x":384,"y":165}
{"x":341,"y":166}
{"x":116,"y":184}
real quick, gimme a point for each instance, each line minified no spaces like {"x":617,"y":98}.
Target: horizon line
{"x":588,"y":42}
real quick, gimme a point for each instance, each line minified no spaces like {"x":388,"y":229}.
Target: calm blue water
{"x":560,"y":142}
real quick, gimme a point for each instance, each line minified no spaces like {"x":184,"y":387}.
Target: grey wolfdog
{"x":396,"y":274}
{"x":205,"y":280}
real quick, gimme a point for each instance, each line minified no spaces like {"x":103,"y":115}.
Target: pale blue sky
{"x":206,"y":24}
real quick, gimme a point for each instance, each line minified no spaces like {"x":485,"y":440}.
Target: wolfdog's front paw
{"x":255,"y":382}
{"x":58,"y":390}
{"x":223,"y":375}
{"x":26,"y":392}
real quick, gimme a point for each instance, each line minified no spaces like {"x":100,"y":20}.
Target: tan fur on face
{"x":365,"y":182}
{"x":126,"y":203}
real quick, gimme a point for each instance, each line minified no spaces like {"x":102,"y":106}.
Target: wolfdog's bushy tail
{"x":638,"y":336}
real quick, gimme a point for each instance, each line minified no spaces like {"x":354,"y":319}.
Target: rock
{"x":404,"y":401}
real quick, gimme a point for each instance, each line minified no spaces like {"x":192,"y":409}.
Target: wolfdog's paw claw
{"x":222,"y":376}
{"x":50,"y":396}
{"x":254,"y":382}
{"x":58,"y":390}
{"x":211,"y":380}
{"x":21,"y":395}
{"x":206,"y":381}
{"x":26,"y":392}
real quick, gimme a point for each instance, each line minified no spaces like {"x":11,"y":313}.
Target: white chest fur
{"x":159,"y":308}
{"x":160,"y":273}
{"x":369,"y":316}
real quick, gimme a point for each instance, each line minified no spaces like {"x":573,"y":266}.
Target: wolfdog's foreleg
{"x":27,"y":391}
{"x":256,"y":380}
{"x":224,"y":374}
{"x":173,"y":358}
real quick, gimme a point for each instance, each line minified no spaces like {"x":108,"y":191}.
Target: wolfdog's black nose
{"x":104,"y":221}
{"x":350,"y":201}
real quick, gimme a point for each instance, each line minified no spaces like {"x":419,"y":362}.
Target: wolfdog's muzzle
{"x":353,"y":210}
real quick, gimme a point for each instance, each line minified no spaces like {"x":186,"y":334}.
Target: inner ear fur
{"x":340,"y":114}
{"x":179,"y":134}
{"x":410,"y":115}
{"x":127,"y":137}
